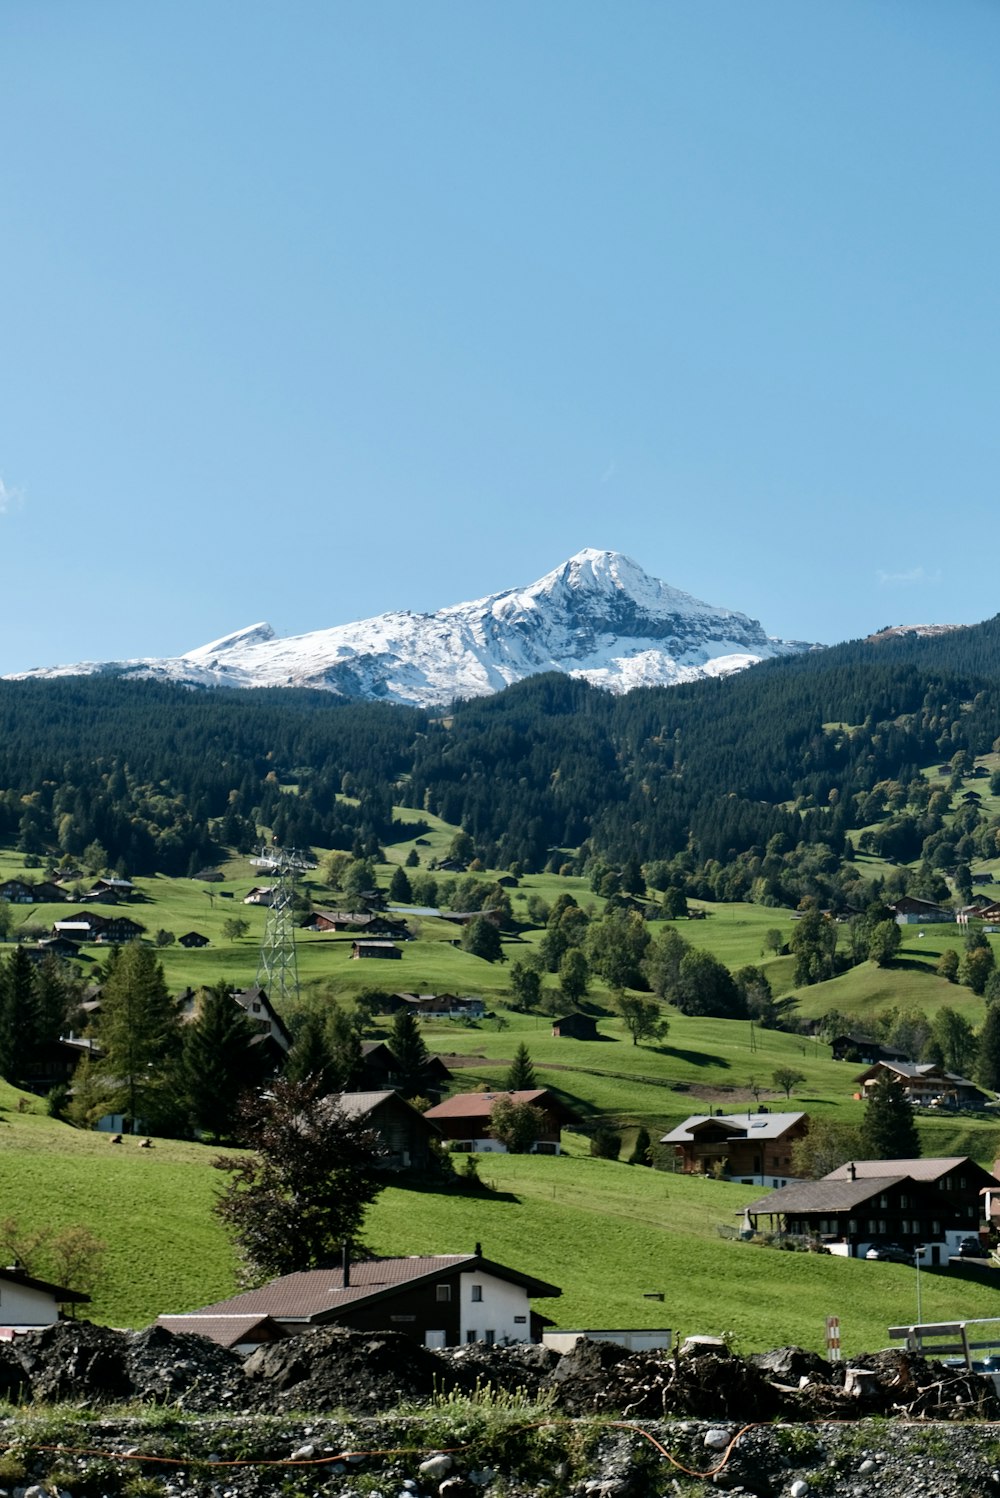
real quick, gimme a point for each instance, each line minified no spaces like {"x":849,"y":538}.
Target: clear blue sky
{"x":312,"y":310}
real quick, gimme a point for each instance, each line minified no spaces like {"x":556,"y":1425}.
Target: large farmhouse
{"x":439,"y":1300}
{"x":748,"y":1147}
{"x":932,"y":1204}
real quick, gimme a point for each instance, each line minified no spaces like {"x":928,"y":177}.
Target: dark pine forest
{"x":739,"y":787}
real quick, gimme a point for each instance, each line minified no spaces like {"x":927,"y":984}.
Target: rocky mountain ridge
{"x":598,"y":616}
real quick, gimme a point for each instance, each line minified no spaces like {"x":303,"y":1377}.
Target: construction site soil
{"x":95,"y":1411}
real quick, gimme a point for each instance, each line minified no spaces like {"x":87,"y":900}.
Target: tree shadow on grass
{"x":435,"y":1186}
{"x":694,"y":1058}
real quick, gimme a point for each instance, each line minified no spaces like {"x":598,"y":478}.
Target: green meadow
{"x":609,"y":1234}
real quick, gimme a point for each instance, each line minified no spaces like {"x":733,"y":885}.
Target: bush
{"x":605,"y":1144}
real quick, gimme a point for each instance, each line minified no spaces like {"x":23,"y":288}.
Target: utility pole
{"x":277,"y":966}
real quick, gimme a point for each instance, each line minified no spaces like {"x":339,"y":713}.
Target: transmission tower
{"x":277,"y":968}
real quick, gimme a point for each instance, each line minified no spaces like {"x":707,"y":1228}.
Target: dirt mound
{"x":184,"y":1369}
{"x":331,"y":1368}
{"x":523,"y":1367}
{"x":75,"y":1360}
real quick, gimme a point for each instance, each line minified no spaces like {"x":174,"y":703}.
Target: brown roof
{"x":226,"y":1330}
{"x":480,"y":1104}
{"x":318,"y":1294}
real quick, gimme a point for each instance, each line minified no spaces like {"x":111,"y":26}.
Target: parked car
{"x":969,"y":1248}
{"x":893,"y":1252}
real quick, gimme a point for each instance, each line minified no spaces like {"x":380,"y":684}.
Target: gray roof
{"x":918,"y":1170}
{"x":823,"y":1196}
{"x":753,"y":1125}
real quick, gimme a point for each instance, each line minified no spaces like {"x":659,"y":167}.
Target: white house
{"x":27,"y":1304}
{"x":440,"y":1300}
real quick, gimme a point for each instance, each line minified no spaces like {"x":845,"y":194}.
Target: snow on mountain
{"x":598,"y":616}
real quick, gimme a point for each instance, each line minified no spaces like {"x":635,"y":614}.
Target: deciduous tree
{"x":304,"y":1190}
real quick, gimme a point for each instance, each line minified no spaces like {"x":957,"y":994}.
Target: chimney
{"x":852,"y":1172}
{"x":478,"y":1250}
{"x":345,"y":1262}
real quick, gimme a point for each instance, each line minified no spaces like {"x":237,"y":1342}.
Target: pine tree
{"x":888,"y":1131}
{"x":139,"y":1033}
{"x":407,"y":1045}
{"x":221,"y":1061}
{"x":988,"y":1070}
{"x":400,"y":889}
{"x":18,"y":1016}
{"x":521,"y":1074}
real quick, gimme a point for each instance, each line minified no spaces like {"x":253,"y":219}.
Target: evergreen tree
{"x":309,"y":1058}
{"x":888,"y":1131}
{"x":520,"y":1074}
{"x":407,"y":1045}
{"x":220,"y":1061}
{"x":140,"y":1037}
{"x":400,"y":888}
{"x":641,"y":1150}
{"x":18,"y":1016}
{"x":988,"y":1068}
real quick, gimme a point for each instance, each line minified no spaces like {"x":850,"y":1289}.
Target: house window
{"x":470,"y":1335}
{"x":520,"y":1320}
{"x":490,"y":1338}
{"x":477,"y":1292}
{"x":444,"y":1292}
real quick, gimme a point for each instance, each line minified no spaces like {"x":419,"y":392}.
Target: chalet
{"x":445,"y":1006}
{"x":121,"y":889}
{"x":259,"y":1009}
{"x":747,"y":1147}
{"x":77,"y":928}
{"x":54,"y":1065}
{"x":209,"y":876}
{"x":854,"y":1047}
{"x":17,"y":892}
{"x":27,"y":1304}
{"x":57,"y":946}
{"x":465,"y":1120}
{"x":380,"y":1071}
{"x":111,"y":890}
{"x":374,"y":949}
{"x":926,"y":1084}
{"x":466,"y":917}
{"x":261,"y":894}
{"x":117,"y":929}
{"x":366,"y":923}
{"x":47,"y":893}
{"x":909,"y":911}
{"x":439,"y":1300}
{"x":407,"y":1137}
{"x":932,"y":1203}
{"x":193,"y":939}
{"x":575,"y":1027}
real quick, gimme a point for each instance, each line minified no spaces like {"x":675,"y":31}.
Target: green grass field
{"x":607,"y":1233}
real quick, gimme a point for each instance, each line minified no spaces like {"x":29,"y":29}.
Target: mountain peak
{"x":597,"y":616}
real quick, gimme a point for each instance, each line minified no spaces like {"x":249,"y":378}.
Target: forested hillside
{"x":740,"y":787}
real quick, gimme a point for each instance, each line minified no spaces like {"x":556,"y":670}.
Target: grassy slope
{"x":605,"y":1232}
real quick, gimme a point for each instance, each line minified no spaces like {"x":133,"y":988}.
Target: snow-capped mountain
{"x":598,"y":616}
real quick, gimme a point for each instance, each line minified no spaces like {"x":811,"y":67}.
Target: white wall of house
{"x":504,"y":1310}
{"x":22,"y":1308}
